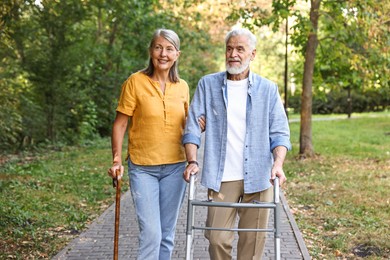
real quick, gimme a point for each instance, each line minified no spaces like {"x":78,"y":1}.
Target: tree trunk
{"x":49,"y":106}
{"x":306,"y":145}
{"x":349,"y":102}
{"x":286,"y":71}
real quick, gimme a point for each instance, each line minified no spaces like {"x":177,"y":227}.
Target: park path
{"x":97,"y":241}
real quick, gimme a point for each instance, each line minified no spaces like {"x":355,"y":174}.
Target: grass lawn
{"x":340,"y":198}
{"x":49,"y":198}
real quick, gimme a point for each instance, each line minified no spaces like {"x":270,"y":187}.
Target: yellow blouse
{"x":157,"y":119}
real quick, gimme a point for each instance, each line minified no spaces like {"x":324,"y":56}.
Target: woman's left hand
{"x":202,"y":123}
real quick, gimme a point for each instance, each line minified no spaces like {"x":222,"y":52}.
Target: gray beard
{"x":237,"y":70}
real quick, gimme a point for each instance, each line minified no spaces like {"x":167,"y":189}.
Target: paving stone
{"x":97,"y":241}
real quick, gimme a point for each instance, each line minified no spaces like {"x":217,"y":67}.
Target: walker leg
{"x":190,"y":218}
{"x":276,"y":219}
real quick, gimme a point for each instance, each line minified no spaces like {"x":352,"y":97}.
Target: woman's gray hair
{"x":174,"y":39}
{"x":245,"y":32}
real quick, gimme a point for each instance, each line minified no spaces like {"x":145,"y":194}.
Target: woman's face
{"x":163,"y":54}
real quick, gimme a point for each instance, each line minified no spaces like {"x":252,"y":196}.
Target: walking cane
{"x":117,"y":183}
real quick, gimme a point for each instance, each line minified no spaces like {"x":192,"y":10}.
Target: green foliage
{"x":253,"y":14}
{"x":86,"y":118}
{"x":352,"y":52}
{"x":63,"y":63}
{"x":10,"y":120}
{"x":337,"y":101}
{"x":348,"y":55}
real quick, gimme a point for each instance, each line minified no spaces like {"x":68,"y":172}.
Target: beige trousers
{"x":250,"y":244}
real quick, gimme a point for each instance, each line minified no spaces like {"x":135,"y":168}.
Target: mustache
{"x":233,"y":59}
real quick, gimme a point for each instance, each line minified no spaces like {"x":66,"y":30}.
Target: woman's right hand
{"x":116,"y":167}
{"x":191,"y":169}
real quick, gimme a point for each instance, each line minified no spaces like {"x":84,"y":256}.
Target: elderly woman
{"x":156,"y":101}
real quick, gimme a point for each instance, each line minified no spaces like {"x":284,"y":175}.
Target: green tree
{"x":353,"y":40}
{"x":63,"y":62}
{"x":352,"y":55}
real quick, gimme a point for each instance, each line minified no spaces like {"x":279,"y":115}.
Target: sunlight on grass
{"x":340,"y":198}
{"x":52,"y":197}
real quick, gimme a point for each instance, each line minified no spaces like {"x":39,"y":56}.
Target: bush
{"x":336,"y":102}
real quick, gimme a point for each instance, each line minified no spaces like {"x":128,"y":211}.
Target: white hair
{"x":245,"y":32}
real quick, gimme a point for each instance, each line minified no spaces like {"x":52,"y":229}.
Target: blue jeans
{"x":158,"y":193}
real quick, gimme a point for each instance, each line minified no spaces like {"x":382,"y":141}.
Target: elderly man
{"x":246,"y":140}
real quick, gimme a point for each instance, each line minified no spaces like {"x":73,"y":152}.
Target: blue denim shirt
{"x":266,"y":128}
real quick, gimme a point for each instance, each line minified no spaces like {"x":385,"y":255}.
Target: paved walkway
{"x":97,"y":241}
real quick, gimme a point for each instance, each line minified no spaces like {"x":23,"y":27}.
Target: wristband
{"x":193,"y":162}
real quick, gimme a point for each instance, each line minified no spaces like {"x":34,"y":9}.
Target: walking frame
{"x":192,"y":202}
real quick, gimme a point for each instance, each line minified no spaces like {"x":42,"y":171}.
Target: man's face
{"x":238,"y":54}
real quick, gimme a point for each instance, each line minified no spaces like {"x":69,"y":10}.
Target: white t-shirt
{"x":236,"y":128}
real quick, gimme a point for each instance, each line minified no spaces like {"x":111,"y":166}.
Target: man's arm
{"x":279,"y":154}
{"x":192,"y":167}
